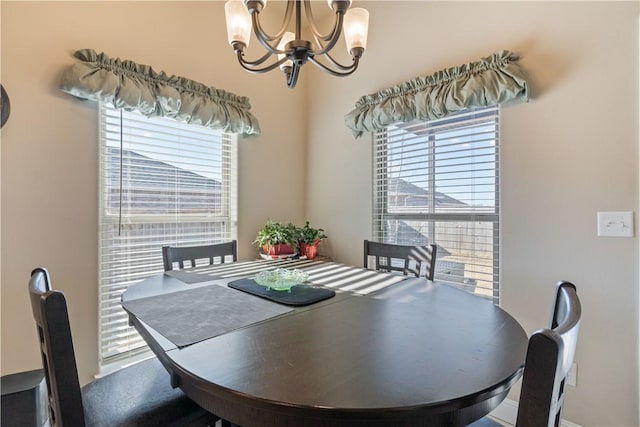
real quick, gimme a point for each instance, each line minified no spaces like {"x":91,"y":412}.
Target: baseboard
{"x":507,"y":412}
{"x":111,"y":367}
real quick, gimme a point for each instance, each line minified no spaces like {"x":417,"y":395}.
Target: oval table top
{"x":415,"y":353}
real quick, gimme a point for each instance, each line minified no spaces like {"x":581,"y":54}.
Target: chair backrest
{"x":56,"y":346}
{"x":548,"y":363}
{"x":173,"y":254}
{"x":411,"y":258}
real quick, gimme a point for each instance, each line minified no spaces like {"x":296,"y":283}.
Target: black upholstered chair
{"x":411,"y":258}
{"x":176,"y":254}
{"x":139,"y":395}
{"x":549,"y":358}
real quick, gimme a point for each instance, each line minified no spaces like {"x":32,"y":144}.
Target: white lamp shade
{"x":356,"y":27}
{"x":286,"y":38}
{"x":238,"y":22}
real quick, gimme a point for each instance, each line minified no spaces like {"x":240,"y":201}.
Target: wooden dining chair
{"x":549,"y":358}
{"x":139,"y":395}
{"x":180,"y":254}
{"x":389,"y":257}
{"x":548,"y":362}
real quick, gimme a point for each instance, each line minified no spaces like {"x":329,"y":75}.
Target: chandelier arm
{"x":248,"y":66}
{"x":348,"y":70}
{"x":262,"y":35}
{"x":334,"y":37}
{"x":339,"y":65}
{"x":317,"y":35}
{"x":257,"y":61}
{"x":265,"y":38}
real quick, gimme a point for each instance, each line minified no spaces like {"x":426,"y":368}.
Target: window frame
{"x":382,"y":213}
{"x":224,"y":222}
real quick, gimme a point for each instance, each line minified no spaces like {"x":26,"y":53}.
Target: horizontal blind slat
{"x":177,"y":186}
{"x":438,"y":181}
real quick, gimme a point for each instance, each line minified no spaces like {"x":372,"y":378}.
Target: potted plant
{"x":277,"y":238}
{"x":308,"y":240}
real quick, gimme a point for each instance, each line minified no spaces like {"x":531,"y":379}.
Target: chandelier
{"x":290,"y":51}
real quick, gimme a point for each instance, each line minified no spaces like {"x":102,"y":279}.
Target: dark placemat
{"x":187,"y":317}
{"x":299,"y":295}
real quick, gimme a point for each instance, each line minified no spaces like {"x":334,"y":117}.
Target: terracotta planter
{"x":310,"y":250}
{"x":278,"y":250}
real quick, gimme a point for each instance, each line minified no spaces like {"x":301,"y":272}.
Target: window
{"x":438,"y":182}
{"x":162,"y":182}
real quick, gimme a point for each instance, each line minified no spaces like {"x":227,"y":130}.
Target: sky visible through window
{"x":464,"y":162}
{"x":169,"y":144}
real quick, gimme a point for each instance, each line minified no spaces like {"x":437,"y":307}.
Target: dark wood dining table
{"x":384,"y":351}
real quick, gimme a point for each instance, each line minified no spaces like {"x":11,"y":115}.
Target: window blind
{"x":162,"y":182}
{"x":438,"y":182}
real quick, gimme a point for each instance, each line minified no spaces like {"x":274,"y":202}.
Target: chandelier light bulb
{"x":356,"y":28}
{"x":238,"y":22}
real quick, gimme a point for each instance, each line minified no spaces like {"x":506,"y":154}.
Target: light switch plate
{"x":615,"y":224}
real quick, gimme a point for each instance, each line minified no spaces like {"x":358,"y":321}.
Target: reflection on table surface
{"x":408,"y":354}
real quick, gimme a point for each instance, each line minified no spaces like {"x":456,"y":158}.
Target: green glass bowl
{"x":281,"y":279}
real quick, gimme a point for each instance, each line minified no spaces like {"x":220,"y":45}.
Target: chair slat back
{"x":56,"y":347}
{"x":219,"y":252}
{"x":408,"y":259}
{"x":549,"y":358}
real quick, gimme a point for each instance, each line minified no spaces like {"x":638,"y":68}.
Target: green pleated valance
{"x":494,"y":80}
{"x":137,"y":87}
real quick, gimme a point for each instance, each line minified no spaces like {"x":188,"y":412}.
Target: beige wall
{"x":570,"y":152}
{"x":49,"y":146}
